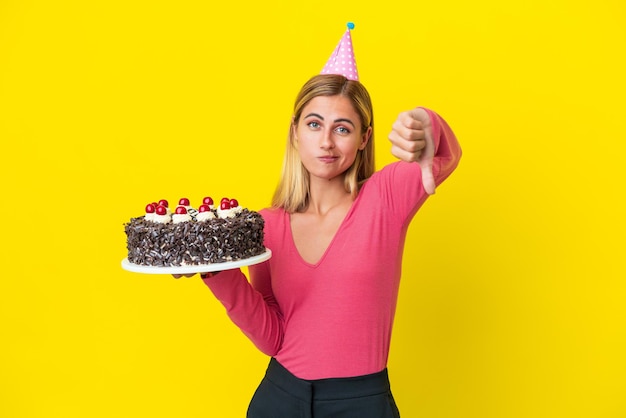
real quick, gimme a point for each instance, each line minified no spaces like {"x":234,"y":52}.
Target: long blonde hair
{"x":292,"y":192}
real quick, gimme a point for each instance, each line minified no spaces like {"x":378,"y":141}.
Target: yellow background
{"x":513,"y":297}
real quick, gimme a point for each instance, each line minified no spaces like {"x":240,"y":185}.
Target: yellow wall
{"x":512,"y":301}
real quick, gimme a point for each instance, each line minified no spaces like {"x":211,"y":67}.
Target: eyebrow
{"x":316,"y":115}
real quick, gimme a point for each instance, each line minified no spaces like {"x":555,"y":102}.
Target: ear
{"x":294,"y":125}
{"x":292,"y":132}
{"x":365,"y":138}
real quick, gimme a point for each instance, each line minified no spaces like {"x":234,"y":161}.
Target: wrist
{"x":208,"y":275}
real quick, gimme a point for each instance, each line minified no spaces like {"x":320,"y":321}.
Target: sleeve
{"x":255,"y":313}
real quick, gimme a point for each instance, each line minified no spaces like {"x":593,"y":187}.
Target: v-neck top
{"x":334,"y":318}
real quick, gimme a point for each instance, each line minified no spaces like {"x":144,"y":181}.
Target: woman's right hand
{"x":178,"y":276}
{"x":202,"y":275}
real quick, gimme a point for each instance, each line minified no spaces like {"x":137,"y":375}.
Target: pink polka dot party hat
{"x":342,"y":59}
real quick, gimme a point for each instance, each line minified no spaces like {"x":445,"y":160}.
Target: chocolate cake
{"x":227,"y":234}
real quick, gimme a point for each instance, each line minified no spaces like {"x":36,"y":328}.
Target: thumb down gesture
{"x":412,"y":141}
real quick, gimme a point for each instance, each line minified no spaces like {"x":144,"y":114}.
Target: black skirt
{"x":283,"y":395}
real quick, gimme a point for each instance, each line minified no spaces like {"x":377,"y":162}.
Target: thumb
{"x":426,"y":163}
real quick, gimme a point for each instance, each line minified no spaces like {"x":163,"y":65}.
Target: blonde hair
{"x":292,"y":192}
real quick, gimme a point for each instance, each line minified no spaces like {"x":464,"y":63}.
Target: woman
{"x":323,"y":306}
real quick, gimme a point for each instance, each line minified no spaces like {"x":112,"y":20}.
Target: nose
{"x":326,"y":140}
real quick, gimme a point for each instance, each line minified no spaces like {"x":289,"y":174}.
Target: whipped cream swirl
{"x":181,"y":217}
{"x":205,"y":216}
{"x":161,"y":219}
{"x":229,"y":213}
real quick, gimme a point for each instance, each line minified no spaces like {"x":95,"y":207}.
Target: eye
{"x":313,"y":125}
{"x":342,"y":130}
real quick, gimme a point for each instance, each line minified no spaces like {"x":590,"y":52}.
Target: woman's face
{"x":328,"y":136}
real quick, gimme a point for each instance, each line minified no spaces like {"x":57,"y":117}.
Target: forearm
{"x":257,"y":318}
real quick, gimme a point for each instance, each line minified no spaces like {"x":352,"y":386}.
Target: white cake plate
{"x":200,"y":268}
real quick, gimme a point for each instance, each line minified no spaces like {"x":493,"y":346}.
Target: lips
{"x":328,"y":159}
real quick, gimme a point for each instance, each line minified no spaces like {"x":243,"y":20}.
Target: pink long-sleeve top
{"x":334,"y":318}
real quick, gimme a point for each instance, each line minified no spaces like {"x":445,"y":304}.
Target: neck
{"x":325,"y":195}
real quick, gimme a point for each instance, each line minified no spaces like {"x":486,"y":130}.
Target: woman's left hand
{"x":412,"y":141}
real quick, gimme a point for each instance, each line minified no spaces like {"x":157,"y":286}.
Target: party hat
{"x":342,"y":59}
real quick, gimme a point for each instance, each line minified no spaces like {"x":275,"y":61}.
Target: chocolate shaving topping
{"x":194,"y":243}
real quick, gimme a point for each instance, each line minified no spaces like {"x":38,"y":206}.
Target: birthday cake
{"x":190,"y":236}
